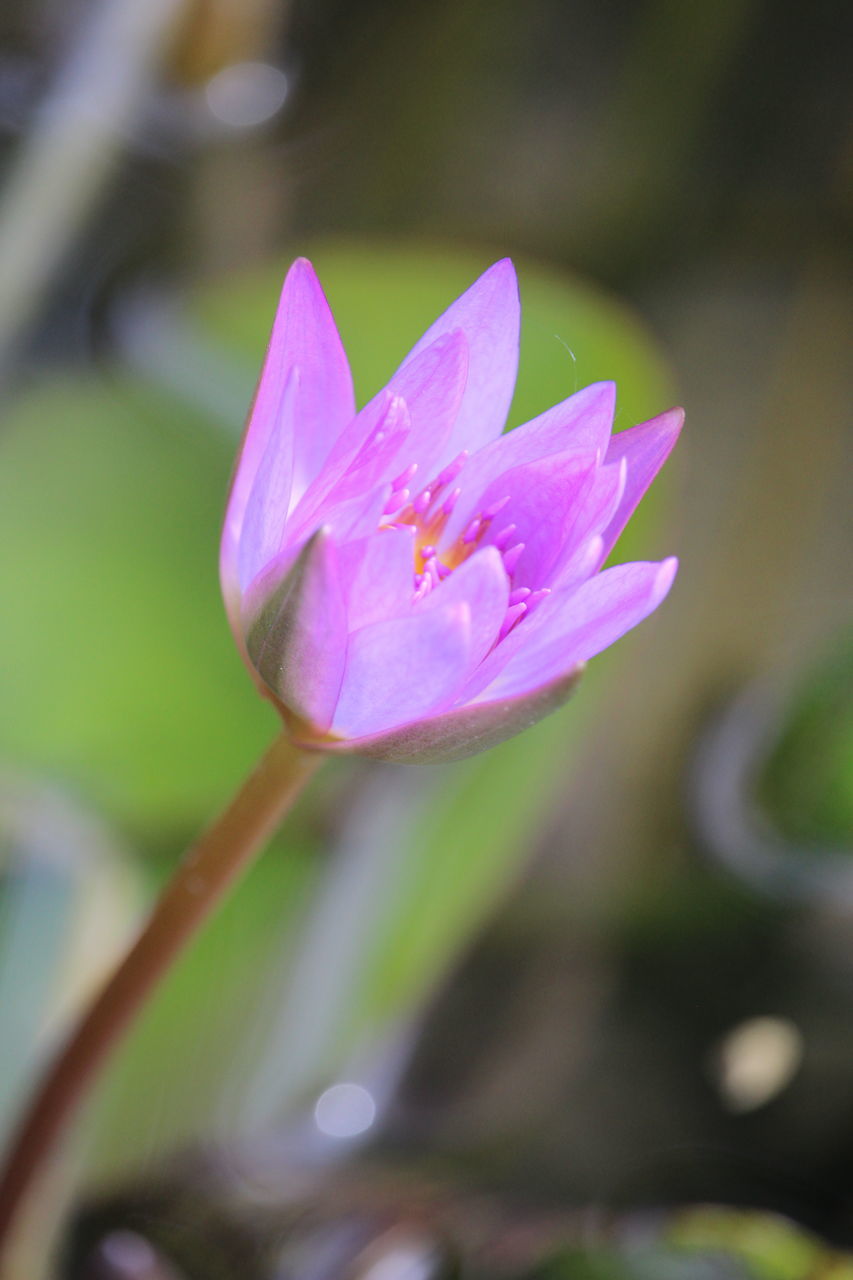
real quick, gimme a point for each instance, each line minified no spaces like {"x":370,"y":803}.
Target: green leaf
{"x":117,"y":669}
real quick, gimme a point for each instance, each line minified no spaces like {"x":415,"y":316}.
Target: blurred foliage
{"x":68,"y":897}
{"x":807,"y":784}
{"x":705,"y":1243}
{"x":118,"y":674}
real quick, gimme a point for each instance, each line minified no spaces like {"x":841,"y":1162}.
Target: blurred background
{"x":581,"y":1007}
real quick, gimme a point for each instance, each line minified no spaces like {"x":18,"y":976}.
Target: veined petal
{"x":580,"y":625}
{"x":581,"y":424}
{"x":359,"y":458}
{"x":266,"y":509}
{"x":303,"y":334}
{"x":401,"y":669}
{"x":433,"y":382}
{"x":545,"y":497}
{"x":356,"y":517}
{"x":488,"y":315}
{"x":296,"y":633}
{"x":482,"y":584}
{"x":463,"y":731}
{"x":377,"y":575}
{"x":593,"y":513}
{"x":645,"y":449}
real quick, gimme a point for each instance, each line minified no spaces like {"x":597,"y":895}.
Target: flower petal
{"x":578,"y":624}
{"x":482,"y":584}
{"x":545,"y":498}
{"x":296,"y":634}
{"x":464,"y":731}
{"x":400,"y":670}
{"x":645,"y":448}
{"x":266,"y":510}
{"x":433,"y":382}
{"x":594,"y":511}
{"x":378,"y":576}
{"x":359,"y":458}
{"x":488,"y":315}
{"x":580,"y":424}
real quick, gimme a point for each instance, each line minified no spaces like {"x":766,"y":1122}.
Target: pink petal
{"x":357,"y":517}
{"x":377,"y":573}
{"x":593,"y":513}
{"x":266,"y":509}
{"x":399,"y":670}
{"x":545,"y":499}
{"x":580,"y":625}
{"x":303,"y":334}
{"x":580,"y":424}
{"x":481,"y":583}
{"x":296,"y":634}
{"x":488,"y":315}
{"x":645,"y":448}
{"x":360,"y":456}
{"x":464,"y":731}
{"x":433,"y":382}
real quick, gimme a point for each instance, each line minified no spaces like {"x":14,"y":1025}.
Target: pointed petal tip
{"x":665,"y":577}
{"x":503,"y":266}
{"x":302,"y":264}
{"x":671,"y":420}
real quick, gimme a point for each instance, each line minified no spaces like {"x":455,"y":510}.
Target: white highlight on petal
{"x":344,"y":1111}
{"x":246,"y":94}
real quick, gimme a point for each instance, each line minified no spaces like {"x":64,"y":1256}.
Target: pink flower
{"x":406,"y":581}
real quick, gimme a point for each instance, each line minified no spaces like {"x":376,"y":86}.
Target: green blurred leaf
{"x":768,"y":1247}
{"x":807,"y":784}
{"x":705,"y":1242}
{"x":174,"y":1080}
{"x":69,"y":899}
{"x":117,"y":670}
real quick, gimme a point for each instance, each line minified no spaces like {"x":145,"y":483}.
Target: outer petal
{"x":400,"y":670}
{"x":488,"y":315}
{"x":266,"y":509}
{"x":464,"y":731}
{"x":296,"y":633}
{"x":397,"y":673}
{"x":580,"y":625}
{"x":303,"y":334}
{"x":645,"y":448}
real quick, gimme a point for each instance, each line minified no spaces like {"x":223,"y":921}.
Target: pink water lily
{"x":408,"y":581}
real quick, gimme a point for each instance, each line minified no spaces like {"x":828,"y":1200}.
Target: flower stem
{"x":208,"y":869}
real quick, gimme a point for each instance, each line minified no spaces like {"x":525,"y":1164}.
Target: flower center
{"x":428,"y":513}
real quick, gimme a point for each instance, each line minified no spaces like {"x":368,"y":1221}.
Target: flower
{"x":406,"y":581}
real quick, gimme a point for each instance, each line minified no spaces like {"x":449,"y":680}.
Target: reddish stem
{"x":203,"y":877}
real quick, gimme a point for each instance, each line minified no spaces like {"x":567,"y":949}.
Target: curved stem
{"x":207,"y":871}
